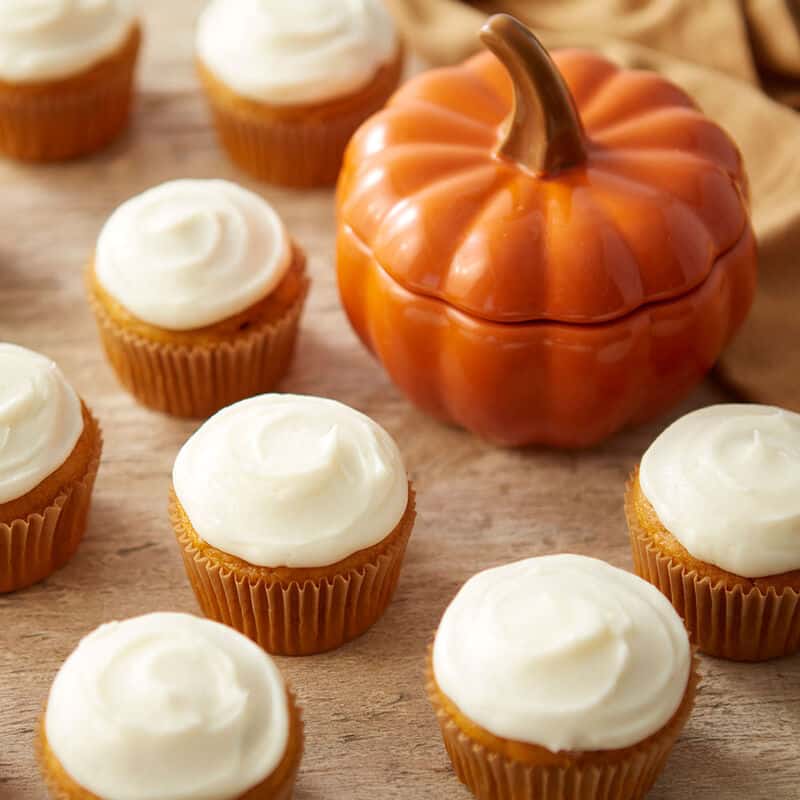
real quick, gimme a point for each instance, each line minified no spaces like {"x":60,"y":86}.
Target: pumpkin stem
{"x":543,"y":133}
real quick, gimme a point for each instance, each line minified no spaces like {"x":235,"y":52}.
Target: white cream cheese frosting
{"x":40,"y":420}
{"x":725,"y":481}
{"x":288,"y":53}
{"x":168,"y":707}
{"x":288,"y":480}
{"x":191,"y":253}
{"x":43,"y":40}
{"x":563,"y":651}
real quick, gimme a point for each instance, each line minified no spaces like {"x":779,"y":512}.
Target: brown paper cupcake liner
{"x":35,"y":547}
{"x":297,"y":151}
{"x":74,"y":117}
{"x":492,"y":776}
{"x":291,"y":617}
{"x":277,"y":786}
{"x":197,"y":381}
{"x":728,"y":622}
{"x":296,"y":154}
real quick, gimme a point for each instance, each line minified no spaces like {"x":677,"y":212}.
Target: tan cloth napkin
{"x":729,"y":56}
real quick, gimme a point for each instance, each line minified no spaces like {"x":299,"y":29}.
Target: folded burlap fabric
{"x":733,"y":58}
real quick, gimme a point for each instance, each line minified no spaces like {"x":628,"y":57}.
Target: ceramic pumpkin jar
{"x":543,"y":251}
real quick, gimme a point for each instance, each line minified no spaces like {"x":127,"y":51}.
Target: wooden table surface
{"x":369,"y":730}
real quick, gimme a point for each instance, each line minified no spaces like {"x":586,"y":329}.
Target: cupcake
{"x":560,"y":678}
{"x":713,"y":512}
{"x":197,"y":290}
{"x":66,"y":76}
{"x":49,"y":454}
{"x":169,"y":706}
{"x":292,"y":514}
{"x":289,"y":83}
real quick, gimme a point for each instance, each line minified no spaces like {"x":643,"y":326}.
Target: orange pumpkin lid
{"x":519,"y":188}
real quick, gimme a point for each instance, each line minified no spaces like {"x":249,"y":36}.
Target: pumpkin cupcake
{"x":169,"y":705}
{"x":288,"y":83}
{"x":66,"y":76}
{"x":713,"y":512}
{"x":49,"y":454}
{"x":197,"y":290}
{"x":292,"y":514}
{"x":560,"y":678}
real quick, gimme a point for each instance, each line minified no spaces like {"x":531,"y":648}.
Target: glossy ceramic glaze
{"x":544,"y":299}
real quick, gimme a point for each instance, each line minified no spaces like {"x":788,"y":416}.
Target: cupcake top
{"x":563,"y":651}
{"x":168,"y":707}
{"x":287,"y":480}
{"x":725,"y":481}
{"x":286,"y":53}
{"x":43,"y":40}
{"x":191,"y":253}
{"x":40,"y":420}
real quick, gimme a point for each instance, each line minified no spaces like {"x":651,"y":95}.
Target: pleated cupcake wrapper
{"x":301,"y":151}
{"x":294,"y":618}
{"x":299,"y":154}
{"x":69,"y":121}
{"x":35,"y":547}
{"x":188,"y":381}
{"x":491,"y":776}
{"x":62,"y":785}
{"x":733,"y":623}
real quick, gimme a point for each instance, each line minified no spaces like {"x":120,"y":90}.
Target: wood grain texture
{"x":370,"y":732}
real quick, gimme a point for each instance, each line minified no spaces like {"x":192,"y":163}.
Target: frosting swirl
{"x":168,"y":707}
{"x":725,"y":481}
{"x":286,"y":480}
{"x":51,"y":39}
{"x":40,"y":420}
{"x":190,"y":253}
{"x":563,"y":651}
{"x":276,"y":52}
